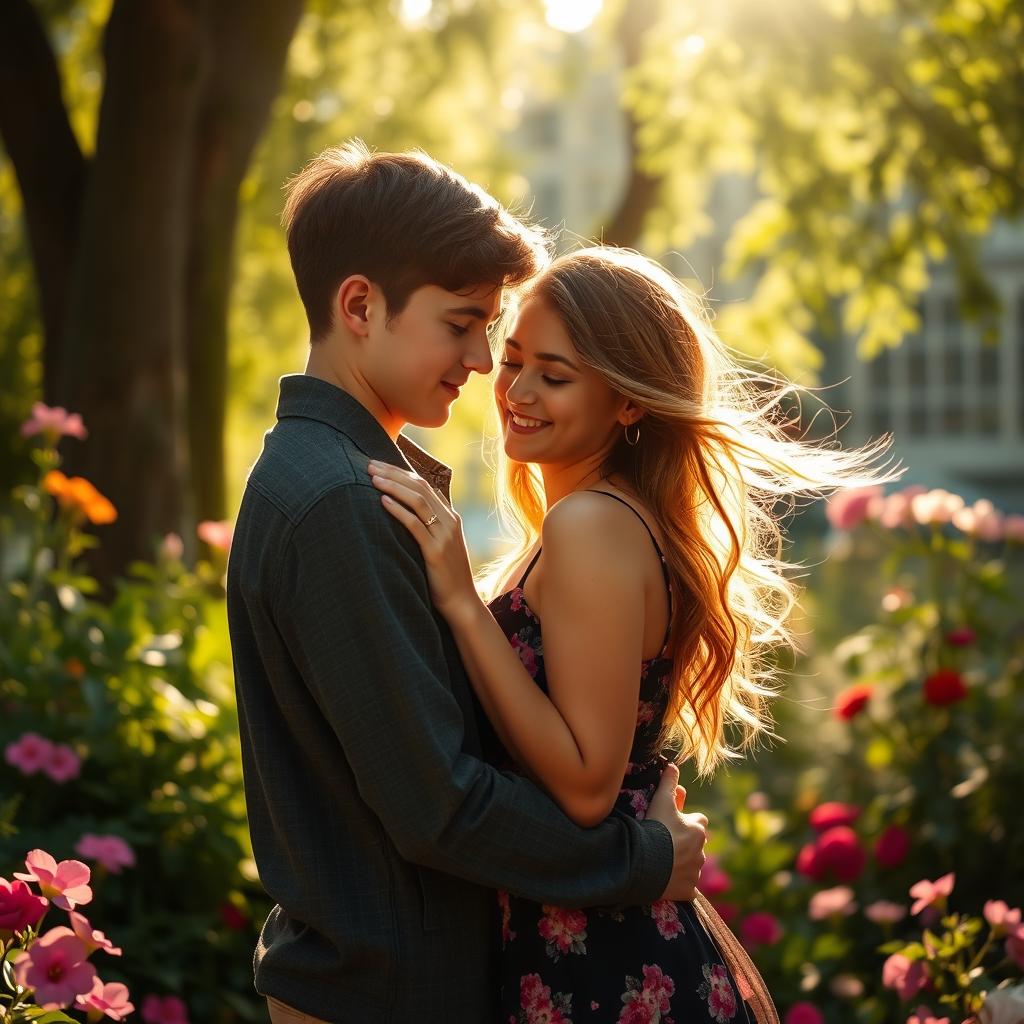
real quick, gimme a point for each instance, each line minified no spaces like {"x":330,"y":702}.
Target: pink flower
{"x":91,"y":938}
{"x":63,"y":764}
{"x":20,"y":907}
{"x":713,"y":880}
{"x":981,"y":520}
{"x":944,"y":686}
{"x":527,"y":655}
{"x":962,"y":636}
{"x":658,"y":987}
{"x":172,"y":548}
{"x":111,"y":852}
{"x":216,"y":533}
{"x":930,"y":894}
{"x":892,"y":847}
{"x":927,"y":1019}
{"x":66,"y":884}
{"x":896,"y":509}
{"x":804,"y":1013}
{"x":53,"y":423}
{"x":935,"y":507}
{"x":829,"y":902}
{"x":110,"y":1000}
{"x":1015,"y":947}
{"x":808,"y":863}
{"x":666,"y":918}
{"x":29,"y":754}
{"x":885,"y":912}
{"x":638,"y":800}
{"x":166,"y":1010}
{"x":850,"y":508}
{"x":1000,"y":917}
{"x":718,"y":991}
{"x":908,"y":977}
{"x":1013,"y":528}
{"x":852,"y":701}
{"x":760,"y":929}
{"x":563,"y":930}
{"x":829,"y":815}
{"x":55,"y":968}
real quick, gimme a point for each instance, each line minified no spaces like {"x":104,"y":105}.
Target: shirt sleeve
{"x":354,"y":608}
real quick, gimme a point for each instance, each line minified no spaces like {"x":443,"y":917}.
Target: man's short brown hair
{"x":404,"y":221}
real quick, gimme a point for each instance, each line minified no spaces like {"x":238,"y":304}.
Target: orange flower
{"x":78,"y":494}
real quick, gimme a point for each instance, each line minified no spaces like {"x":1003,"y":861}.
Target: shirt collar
{"x":312,"y":398}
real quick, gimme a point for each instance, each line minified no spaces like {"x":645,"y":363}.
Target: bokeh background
{"x":842,"y":181}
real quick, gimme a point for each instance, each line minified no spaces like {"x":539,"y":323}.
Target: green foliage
{"x":944,"y":774}
{"x":884,"y":135}
{"x":137,"y":683}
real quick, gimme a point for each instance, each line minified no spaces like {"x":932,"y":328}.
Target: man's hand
{"x":689,"y":834}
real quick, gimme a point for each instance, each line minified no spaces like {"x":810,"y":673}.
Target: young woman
{"x":644,"y":470}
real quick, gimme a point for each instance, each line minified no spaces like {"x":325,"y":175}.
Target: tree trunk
{"x":125,"y":370}
{"x":133,"y":249}
{"x":642,"y":189}
{"x":49,"y":166}
{"x":250,"y":42}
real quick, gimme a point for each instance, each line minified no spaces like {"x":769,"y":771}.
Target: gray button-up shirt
{"x":377,"y":828}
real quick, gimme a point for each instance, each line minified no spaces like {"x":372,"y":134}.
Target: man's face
{"x":417,"y":362}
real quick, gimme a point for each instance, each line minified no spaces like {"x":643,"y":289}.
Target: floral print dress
{"x":653,"y":964}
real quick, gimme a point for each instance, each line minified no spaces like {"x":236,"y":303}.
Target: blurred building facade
{"x":953,"y":402}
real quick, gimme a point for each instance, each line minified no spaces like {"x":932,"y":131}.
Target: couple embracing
{"x":461,"y":805}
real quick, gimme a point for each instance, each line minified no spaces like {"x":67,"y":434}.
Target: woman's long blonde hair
{"x":718,"y":467}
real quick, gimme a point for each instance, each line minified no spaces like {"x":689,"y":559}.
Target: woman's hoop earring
{"x":636,"y":440}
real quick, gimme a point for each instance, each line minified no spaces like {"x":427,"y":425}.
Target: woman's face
{"x":554,"y":410}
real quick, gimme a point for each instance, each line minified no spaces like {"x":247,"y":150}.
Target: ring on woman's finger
{"x":431,"y":520}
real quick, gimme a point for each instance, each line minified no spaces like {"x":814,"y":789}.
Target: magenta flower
{"x":1002,"y":919}
{"x":66,"y":884}
{"x":713,"y":880}
{"x":53,"y":423}
{"x":829,"y":815}
{"x":55,"y":967}
{"x":166,"y":1010}
{"x":962,"y":636}
{"x":929,"y":894}
{"x":30,"y":754}
{"x":885,"y":912}
{"x":111,"y":852}
{"x":1015,"y":947}
{"x":91,"y":938}
{"x":804,"y":1013}
{"x":111,"y":1000}
{"x":908,"y":977}
{"x":832,"y":902}
{"x":216,"y":533}
{"x":760,"y":929}
{"x":63,"y":764}
{"x":20,"y":907}
{"x":892,"y":846}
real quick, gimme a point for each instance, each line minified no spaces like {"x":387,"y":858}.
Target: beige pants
{"x":282,"y":1014}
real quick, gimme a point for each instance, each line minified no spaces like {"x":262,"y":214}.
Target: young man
{"x":377,"y":828}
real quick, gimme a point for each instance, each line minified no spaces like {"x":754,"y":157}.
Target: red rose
{"x":962,"y":636}
{"x":232,"y":917}
{"x":892,"y":847}
{"x":946,"y":686}
{"x":808,"y":863}
{"x":840,"y":854}
{"x":852,"y":701}
{"x":760,"y":929}
{"x":830,"y":814}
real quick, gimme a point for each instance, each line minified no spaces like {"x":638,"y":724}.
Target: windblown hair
{"x":718,"y":465}
{"x":404,"y":220}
